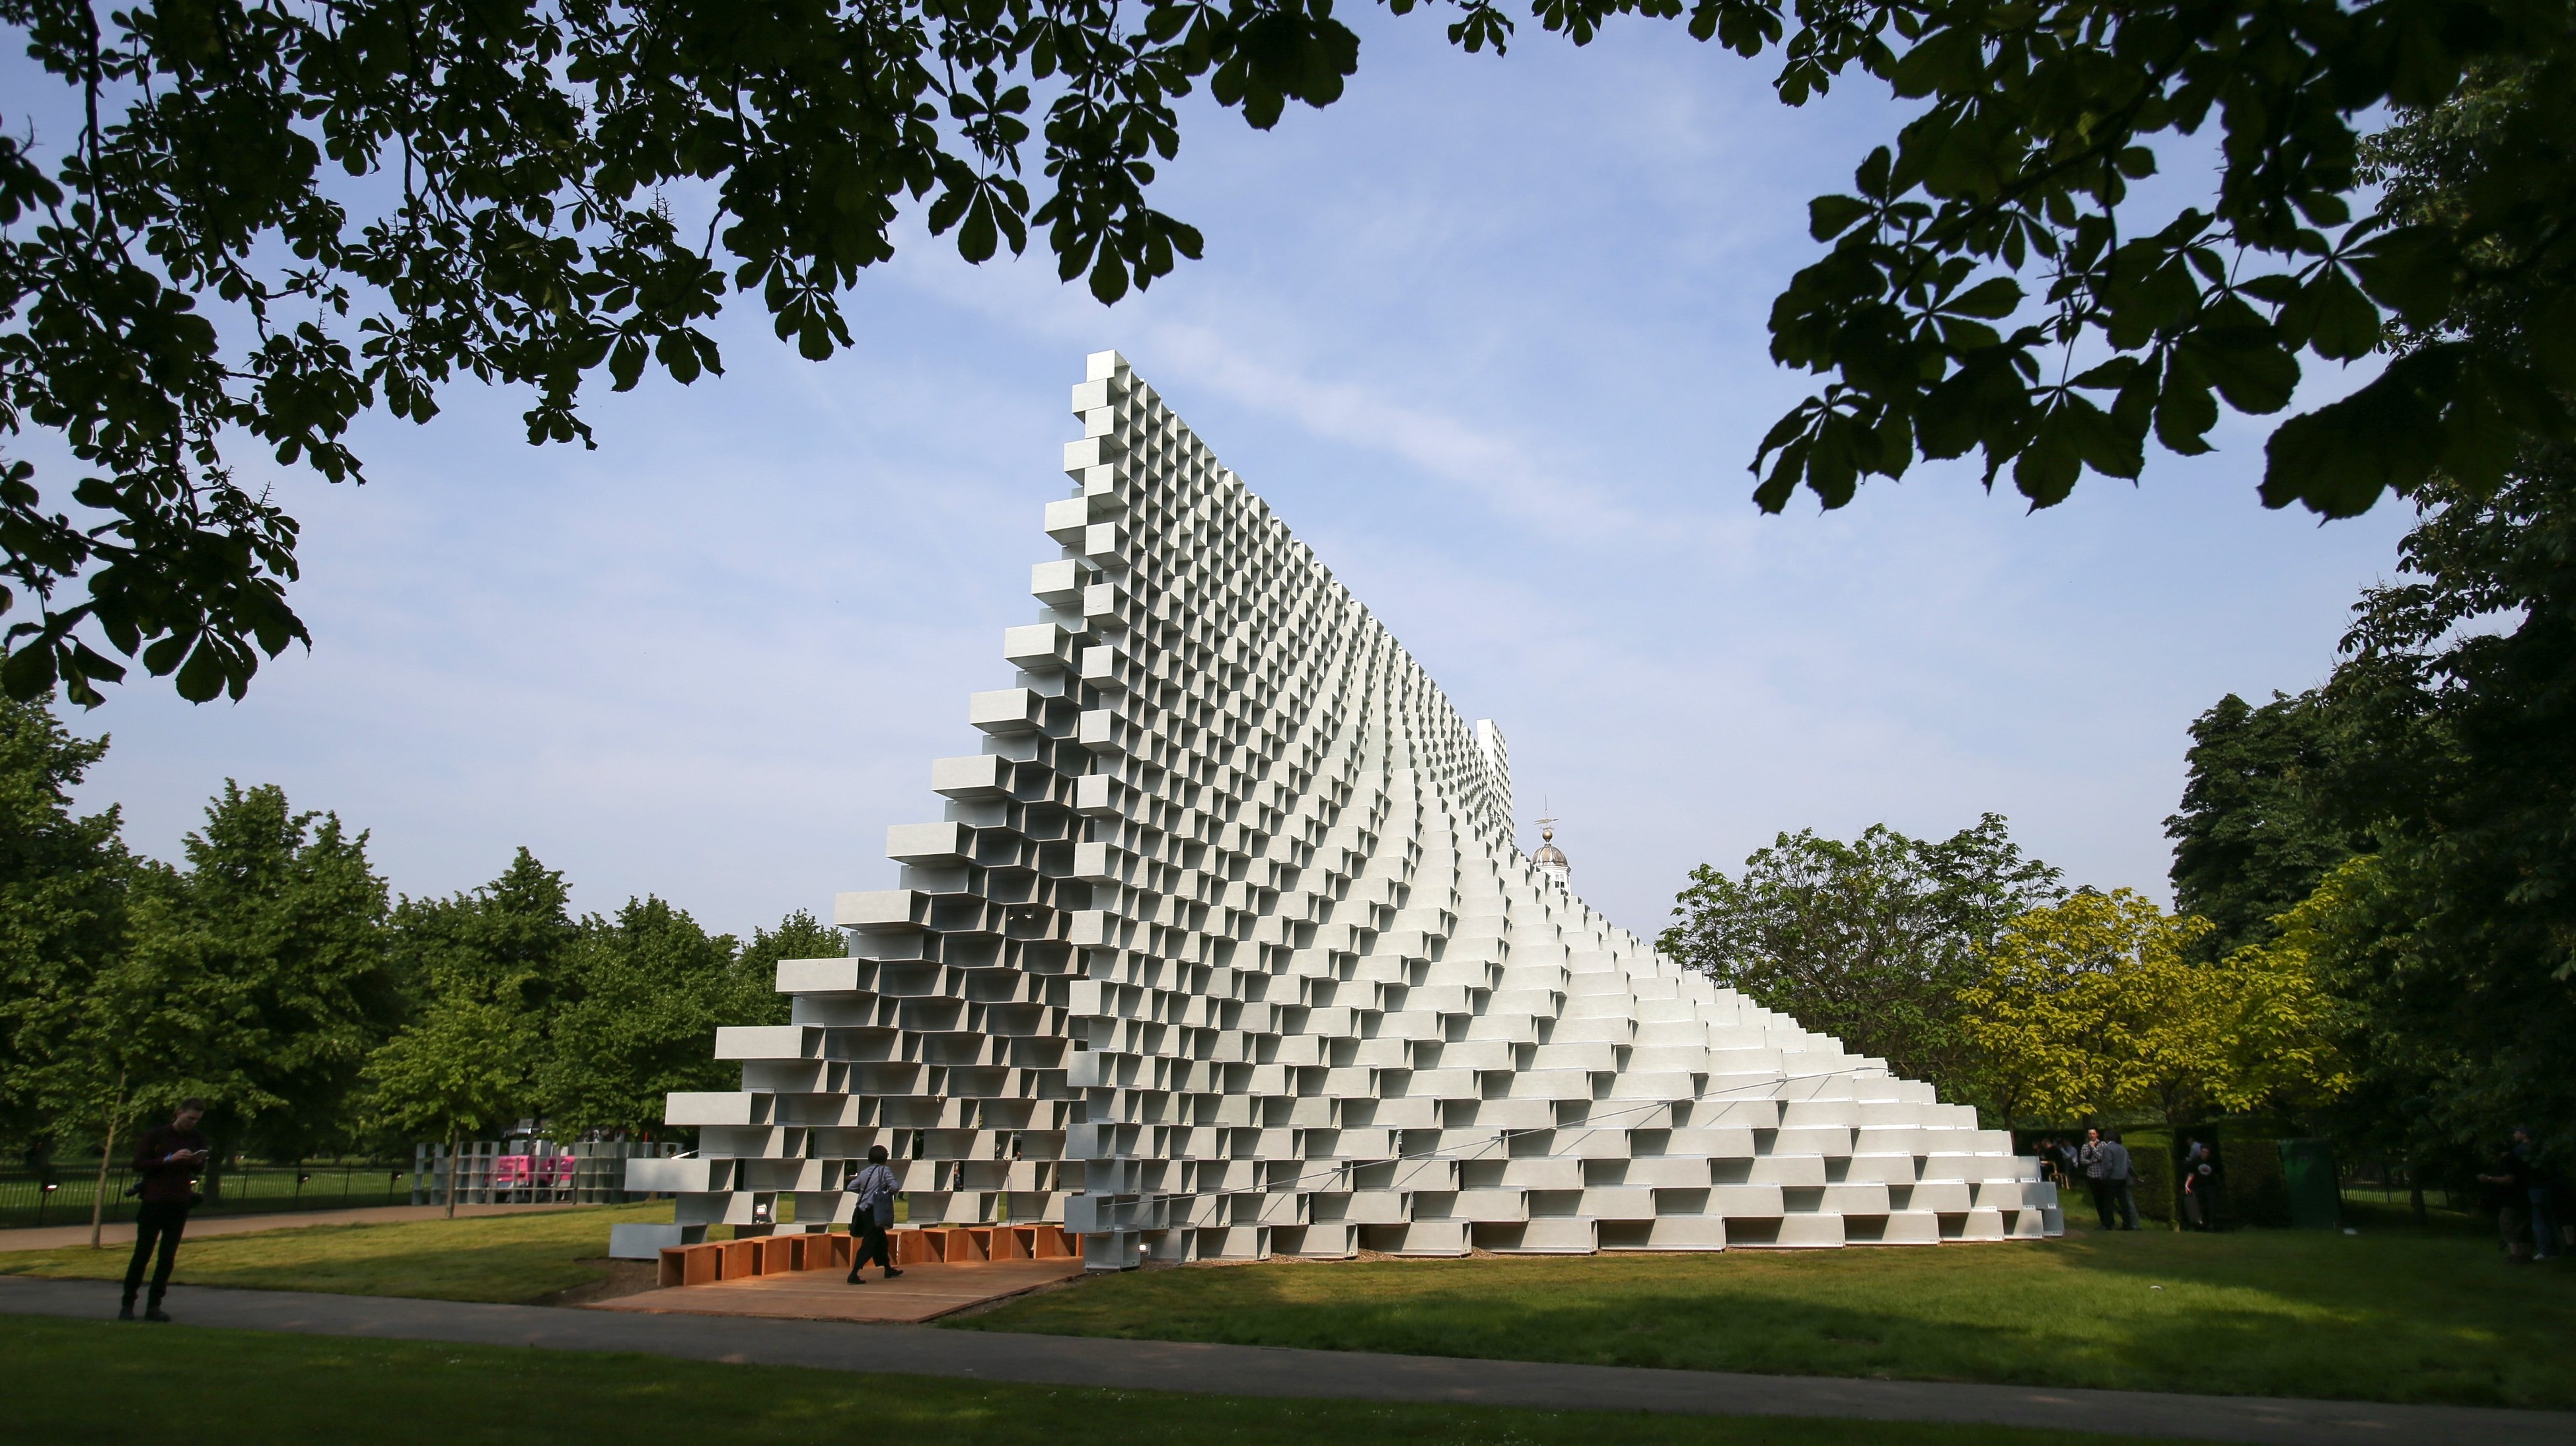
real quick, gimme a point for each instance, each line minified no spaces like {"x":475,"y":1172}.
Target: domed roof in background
{"x":1548,"y":852}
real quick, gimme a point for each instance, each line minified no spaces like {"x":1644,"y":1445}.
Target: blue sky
{"x":1488,"y":333}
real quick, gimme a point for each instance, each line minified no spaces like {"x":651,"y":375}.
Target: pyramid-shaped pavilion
{"x":1222,"y":947}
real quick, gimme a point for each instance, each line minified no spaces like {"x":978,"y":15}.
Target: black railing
{"x":2393,"y":1183}
{"x":61,"y":1196}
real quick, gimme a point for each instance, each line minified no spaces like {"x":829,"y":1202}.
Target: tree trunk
{"x":2173,"y":1171}
{"x":107,"y":1152}
{"x":452,"y":1163}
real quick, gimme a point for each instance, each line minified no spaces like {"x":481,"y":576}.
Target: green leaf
{"x":1830,"y":216}
{"x":2185,"y":411}
{"x":2346,"y":325}
{"x":2411,"y":270}
{"x":203,"y":675}
{"x":2238,"y":352}
{"x":2046,"y":470}
{"x":978,"y":238}
{"x":1995,"y":297}
{"x":2341,"y":458}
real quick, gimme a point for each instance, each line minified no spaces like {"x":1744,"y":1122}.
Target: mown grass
{"x":2390,"y":1314}
{"x":98,"y":1382}
{"x":2383,"y":1316}
{"x":505,"y":1258}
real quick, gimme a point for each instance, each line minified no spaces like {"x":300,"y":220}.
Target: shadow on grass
{"x":2269,"y":1313}
{"x":105,"y":1385}
{"x":492,"y":1258}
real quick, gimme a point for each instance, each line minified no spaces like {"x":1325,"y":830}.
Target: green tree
{"x":2254,"y":837}
{"x":63,"y":882}
{"x":2102,"y":1005}
{"x":504,"y":942}
{"x":798,"y":936}
{"x":2407,"y":1021}
{"x":271,"y":943}
{"x":2037,"y":121}
{"x":1869,"y":941}
{"x":484,"y":964}
{"x":2289,"y":1030}
{"x":80,"y":1023}
{"x":2456,"y":949}
{"x":553,"y":190}
{"x":2463,"y":679}
{"x":647,"y":992}
{"x":2035,"y":1015}
{"x":460,"y":1068}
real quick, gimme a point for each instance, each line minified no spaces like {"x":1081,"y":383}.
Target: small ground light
{"x":52,"y":1185}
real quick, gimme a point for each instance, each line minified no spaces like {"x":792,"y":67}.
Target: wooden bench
{"x":760,"y":1255}
{"x":926,"y":1245}
{"x":971,"y":1244}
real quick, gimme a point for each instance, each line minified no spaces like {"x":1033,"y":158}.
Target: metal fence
{"x":62,"y":1196}
{"x":530,"y":1172}
{"x":2392,"y":1183}
{"x":490,"y":1172}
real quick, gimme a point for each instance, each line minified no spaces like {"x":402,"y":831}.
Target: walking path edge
{"x":202,"y":1226}
{"x":1281,"y":1372}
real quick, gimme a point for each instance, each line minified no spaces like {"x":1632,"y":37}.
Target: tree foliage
{"x":1987,"y":292}
{"x":458,"y":1069}
{"x":273,"y":215}
{"x":269,"y":950}
{"x":271,"y":975}
{"x":2458,"y":945}
{"x":503,"y":943}
{"x":63,"y":885}
{"x":2445,"y":741}
{"x":2253,"y":838}
{"x":1868,"y":941}
{"x":647,"y":991}
{"x":798,"y":936}
{"x":2100,"y":1005}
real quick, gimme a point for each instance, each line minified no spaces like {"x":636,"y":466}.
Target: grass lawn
{"x":2386,"y":1315}
{"x":507,"y":1258}
{"x":96,"y":1381}
{"x":2390,"y":1314}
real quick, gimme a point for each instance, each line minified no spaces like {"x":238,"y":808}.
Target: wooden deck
{"x":926,"y":1292}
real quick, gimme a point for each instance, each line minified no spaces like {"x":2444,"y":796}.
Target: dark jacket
{"x":163,"y":1178}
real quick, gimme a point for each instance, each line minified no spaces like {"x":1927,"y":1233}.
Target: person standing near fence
{"x":167,"y":1161}
{"x":872,"y":1214}
{"x":2200,"y":1187}
{"x":2123,"y":1181}
{"x":2096,"y":1175}
{"x":2538,"y":1189}
{"x":2506,"y":1191}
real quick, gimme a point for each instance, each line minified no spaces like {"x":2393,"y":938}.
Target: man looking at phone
{"x":167,"y":1160}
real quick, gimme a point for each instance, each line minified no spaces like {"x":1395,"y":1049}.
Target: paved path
{"x":1264,"y":1371}
{"x":52,"y":1237}
{"x":922,"y":1293}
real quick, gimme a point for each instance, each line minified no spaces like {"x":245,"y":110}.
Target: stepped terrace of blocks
{"x":1223,"y":948}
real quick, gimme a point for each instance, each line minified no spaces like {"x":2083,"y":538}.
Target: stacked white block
{"x":1223,"y":947}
